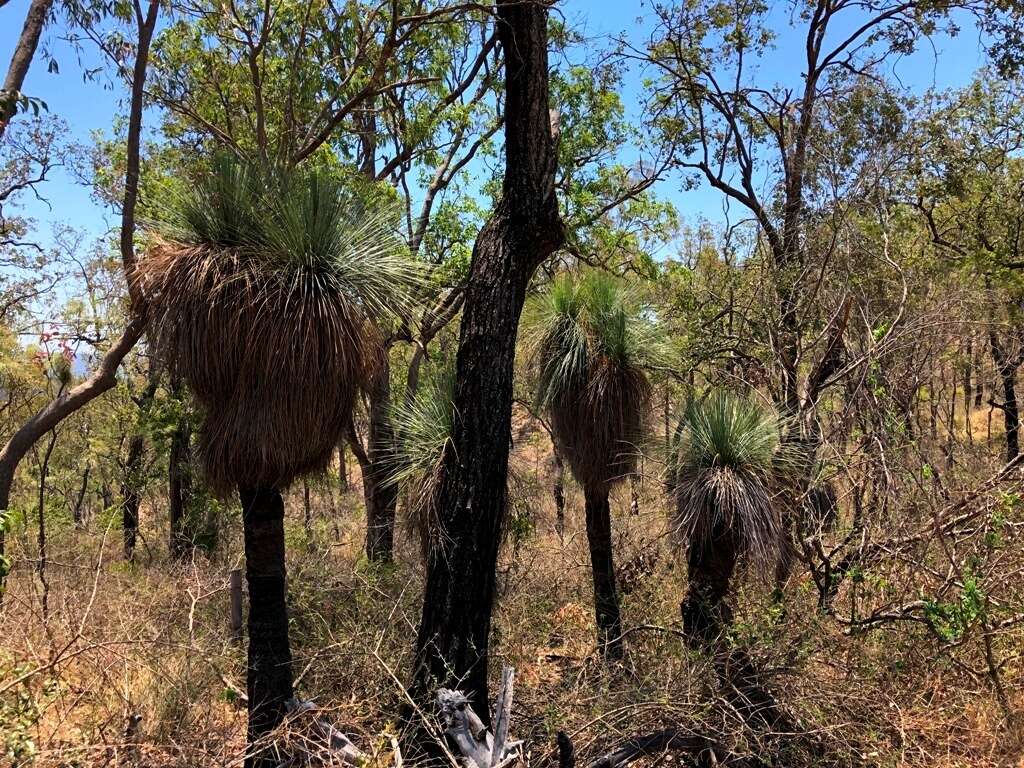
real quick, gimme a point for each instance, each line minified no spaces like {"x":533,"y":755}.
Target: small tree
{"x":729,"y":474}
{"x":591,"y":346}
{"x":260,"y":290}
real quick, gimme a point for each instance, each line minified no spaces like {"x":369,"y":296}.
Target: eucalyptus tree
{"x":103,"y":377}
{"x":261,"y":288}
{"x":524,"y":229}
{"x":11,"y":96}
{"x":591,"y":345}
{"x":764,"y":145}
{"x":967,"y":185}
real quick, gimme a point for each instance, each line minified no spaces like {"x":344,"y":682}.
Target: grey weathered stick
{"x":464,"y":727}
{"x":502,"y":715}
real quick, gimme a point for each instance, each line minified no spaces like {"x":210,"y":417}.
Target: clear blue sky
{"x":89,"y":106}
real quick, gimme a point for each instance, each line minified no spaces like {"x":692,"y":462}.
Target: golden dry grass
{"x":151,"y":640}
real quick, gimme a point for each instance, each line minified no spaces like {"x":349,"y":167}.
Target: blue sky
{"x":94,"y":105}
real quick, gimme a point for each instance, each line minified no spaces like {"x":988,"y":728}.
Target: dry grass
{"x":151,"y":640}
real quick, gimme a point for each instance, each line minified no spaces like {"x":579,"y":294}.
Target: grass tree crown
{"x":592,"y":341}
{"x":264,"y":288}
{"x":730,"y":471}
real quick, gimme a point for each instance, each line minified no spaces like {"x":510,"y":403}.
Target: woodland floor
{"x":151,"y":640}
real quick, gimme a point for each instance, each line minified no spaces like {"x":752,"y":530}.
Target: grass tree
{"x":423,"y":429}
{"x":591,"y":344}
{"x":731,"y":476}
{"x":261,"y":290}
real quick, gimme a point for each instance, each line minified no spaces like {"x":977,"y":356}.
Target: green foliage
{"x":423,"y":429}
{"x":307,"y":225}
{"x":730,"y":470}
{"x":20,"y":709}
{"x":579,"y":321}
{"x":950,"y":620}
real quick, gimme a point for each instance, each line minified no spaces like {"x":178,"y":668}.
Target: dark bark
{"x":707,"y":616}
{"x":606,"y":598}
{"x":342,"y":468}
{"x":131,"y":494}
{"x":77,"y":512}
{"x":524,"y":229}
{"x":1006,"y":368}
{"x":24,"y":52}
{"x":558,"y":490}
{"x":131,"y":480}
{"x":705,"y":610}
{"x":179,"y":490}
{"x":380,"y":496}
{"x":269,"y":679}
{"x":968,"y":367}
{"x":44,"y":471}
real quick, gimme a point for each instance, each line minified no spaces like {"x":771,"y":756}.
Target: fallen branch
{"x":478,"y":746}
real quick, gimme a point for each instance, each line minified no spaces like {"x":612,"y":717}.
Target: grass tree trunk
{"x":381,"y":497}
{"x":558,"y":490}
{"x":131,"y":493}
{"x":606,"y":599}
{"x":524,"y":229}
{"x":179,"y":481}
{"x":269,"y":679}
{"x":342,"y":469}
{"x":706,"y":613}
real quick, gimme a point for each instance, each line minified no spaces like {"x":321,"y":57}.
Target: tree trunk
{"x":104,"y":377}
{"x":179,"y":491}
{"x":78,"y":511}
{"x":342,"y":468}
{"x":1006,"y":368}
{"x":132,"y":481}
{"x":558,"y":491}
{"x":269,"y":679}
{"x":307,"y":509}
{"x":380,"y":496}
{"x":705,"y":611}
{"x":606,"y":599}
{"x":524,"y":229}
{"x":131,"y":491}
{"x":24,"y":52}
{"x":44,"y":471}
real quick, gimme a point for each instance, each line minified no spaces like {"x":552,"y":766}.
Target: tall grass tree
{"x":262,"y":288}
{"x":592,"y":343}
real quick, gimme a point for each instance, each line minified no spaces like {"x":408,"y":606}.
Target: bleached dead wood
{"x":325,"y":739}
{"x":478,"y":746}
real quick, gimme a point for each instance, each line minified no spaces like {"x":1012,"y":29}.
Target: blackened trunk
{"x":78,"y":512}
{"x":1006,"y":367}
{"x":606,"y":599}
{"x":525,"y":228}
{"x":1011,"y":414}
{"x":558,"y":491}
{"x":381,"y":496}
{"x":179,"y":481}
{"x":131,"y":491}
{"x":269,"y":679}
{"x":967,"y":379}
{"x":705,"y":610}
{"x":342,"y":469}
